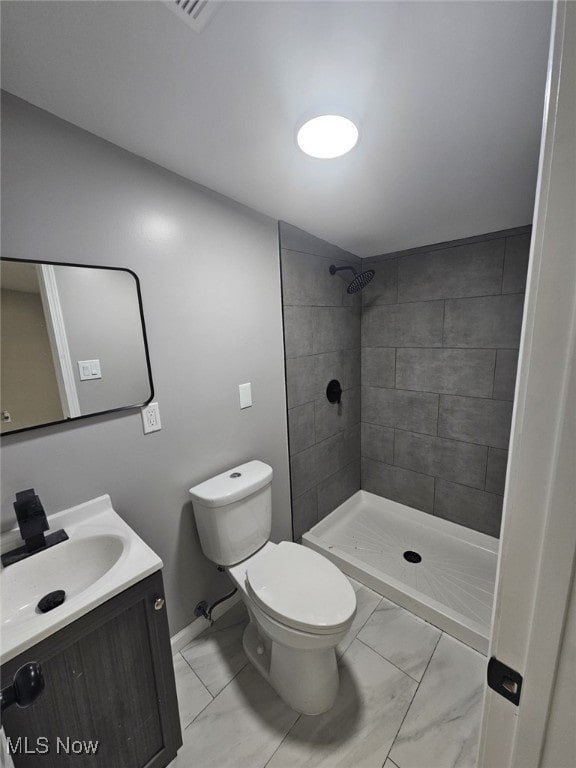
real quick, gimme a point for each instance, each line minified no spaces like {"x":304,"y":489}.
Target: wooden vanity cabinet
{"x":109,"y":680}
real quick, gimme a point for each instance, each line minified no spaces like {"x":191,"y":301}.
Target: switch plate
{"x":245,"y":391}
{"x":151,"y":418}
{"x":89,"y":369}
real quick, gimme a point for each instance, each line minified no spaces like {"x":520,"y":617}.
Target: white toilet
{"x":300,"y":604}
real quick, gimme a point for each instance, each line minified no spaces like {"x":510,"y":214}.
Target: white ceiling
{"x":448,"y":97}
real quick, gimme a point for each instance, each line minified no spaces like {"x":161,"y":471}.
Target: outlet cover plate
{"x":151,"y":418}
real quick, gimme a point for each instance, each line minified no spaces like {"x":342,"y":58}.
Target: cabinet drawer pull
{"x":159,"y":604}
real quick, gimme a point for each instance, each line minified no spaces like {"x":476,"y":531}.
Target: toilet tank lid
{"x":233,"y":485}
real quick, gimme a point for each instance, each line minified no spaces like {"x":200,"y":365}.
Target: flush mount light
{"x":327,"y":136}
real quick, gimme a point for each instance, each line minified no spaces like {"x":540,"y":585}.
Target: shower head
{"x":359,"y":281}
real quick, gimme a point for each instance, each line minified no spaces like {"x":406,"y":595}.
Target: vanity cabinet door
{"x":110,"y":698}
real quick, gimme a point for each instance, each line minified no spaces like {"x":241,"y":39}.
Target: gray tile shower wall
{"x":440,"y":335}
{"x":322,"y":342}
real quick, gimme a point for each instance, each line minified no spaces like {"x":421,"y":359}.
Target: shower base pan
{"x":443,"y":572}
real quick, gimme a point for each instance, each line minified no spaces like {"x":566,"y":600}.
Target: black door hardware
{"x":504,"y":680}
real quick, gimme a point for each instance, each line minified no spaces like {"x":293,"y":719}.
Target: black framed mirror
{"x":73,"y":343}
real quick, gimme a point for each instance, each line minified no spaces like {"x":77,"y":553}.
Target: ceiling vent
{"x":196,"y":13}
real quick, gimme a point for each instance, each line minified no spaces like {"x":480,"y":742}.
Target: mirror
{"x":73,"y":343}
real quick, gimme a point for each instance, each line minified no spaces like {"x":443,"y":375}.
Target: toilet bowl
{"x":299,"y":603}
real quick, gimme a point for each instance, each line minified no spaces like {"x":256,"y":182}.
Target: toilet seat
{"x":301,"y":589}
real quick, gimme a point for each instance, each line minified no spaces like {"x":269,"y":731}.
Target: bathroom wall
{"x":440,"y":335}
{"x":210,"y":280}
{"x":322,"y":338}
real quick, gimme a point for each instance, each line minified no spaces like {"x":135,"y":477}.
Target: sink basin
{"x":102,"y":557}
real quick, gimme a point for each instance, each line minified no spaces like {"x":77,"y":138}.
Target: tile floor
{"x":410,"y":697}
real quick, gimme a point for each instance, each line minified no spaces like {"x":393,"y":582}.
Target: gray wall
{"x":102,"y":319}
{"x":322,"y":338}
{"x":210,"y":279}
{"x":440,"y":335}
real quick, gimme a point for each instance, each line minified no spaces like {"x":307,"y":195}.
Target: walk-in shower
{"x":402,"y":483}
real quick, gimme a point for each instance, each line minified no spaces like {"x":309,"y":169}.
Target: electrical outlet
{"x":151,"y":418}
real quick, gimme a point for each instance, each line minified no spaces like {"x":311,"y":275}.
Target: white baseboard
{"x":181,"y":639}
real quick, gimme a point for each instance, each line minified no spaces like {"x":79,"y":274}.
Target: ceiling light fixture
{"x":327,"y":136}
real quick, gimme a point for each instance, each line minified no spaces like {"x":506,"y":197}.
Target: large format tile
{"x":402,"y":638}
{"x":496,"y":470}
{"x":343,"y":365}
{"x":301,"y":380}
{"x":217,"y":656}
{"x":489,"y":321}
{"x":447,"y":371}
{"x":516,"y":264}
{"x":468,"y":506}
{"x":304,"y":512}
{"x":403,"y":325}
{"x":505,"y":375}
{"x":298,"y":331}
{"x":451,"y":459}
{"x":301,"y":427}
{"x":193,"y":696}
{"x":359,"y":729}
{"x":474,"y":269}
{"x":378,"y":443}
{"x":330,"y":418}
{"x":335,"y":328}
{"x":366,"y":603}
{"x":475,"y":420}
{"x":382,"y":289}
{"x":241,"y":728}
{"x":306,"y":280}
{"x":304,"y":472}
{"x":294,"y":239}
{"x":338,"y":451}
{"x":311,"y":466}
{"x":378,"y":367}
{"x":338,"y":487}
{"x":415,"y":411}
{"x":441,"y":729}
{"x":402,"y":485}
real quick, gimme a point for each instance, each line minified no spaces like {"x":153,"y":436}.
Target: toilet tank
{"x":233,"y":512}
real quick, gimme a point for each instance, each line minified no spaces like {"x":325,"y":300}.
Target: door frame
{"x":58,"y":337}
{"x":538,"y":541}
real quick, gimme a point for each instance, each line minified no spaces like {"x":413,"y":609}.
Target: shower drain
{"x":412,"y":557}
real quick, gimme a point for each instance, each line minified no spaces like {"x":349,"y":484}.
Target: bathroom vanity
{"x":109,"y":699}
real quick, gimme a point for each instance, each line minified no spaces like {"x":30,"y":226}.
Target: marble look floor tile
{"x":390,"y":764}
{"x":442,"y":727}
{"x":359,"y":729}
{"x":192,"y":695}
{"x":217,"y":655}
{"x":366,"y":602}
{"x":402,"y":638}
{"x":241,"y":728}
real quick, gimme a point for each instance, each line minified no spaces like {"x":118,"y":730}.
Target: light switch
{"x":245,"y":395}
{"x":89,"y":369}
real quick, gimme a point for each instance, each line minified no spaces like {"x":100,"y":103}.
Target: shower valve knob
{"x":334,"y":391}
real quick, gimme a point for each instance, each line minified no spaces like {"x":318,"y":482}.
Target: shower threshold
{"x":443,"y":572}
